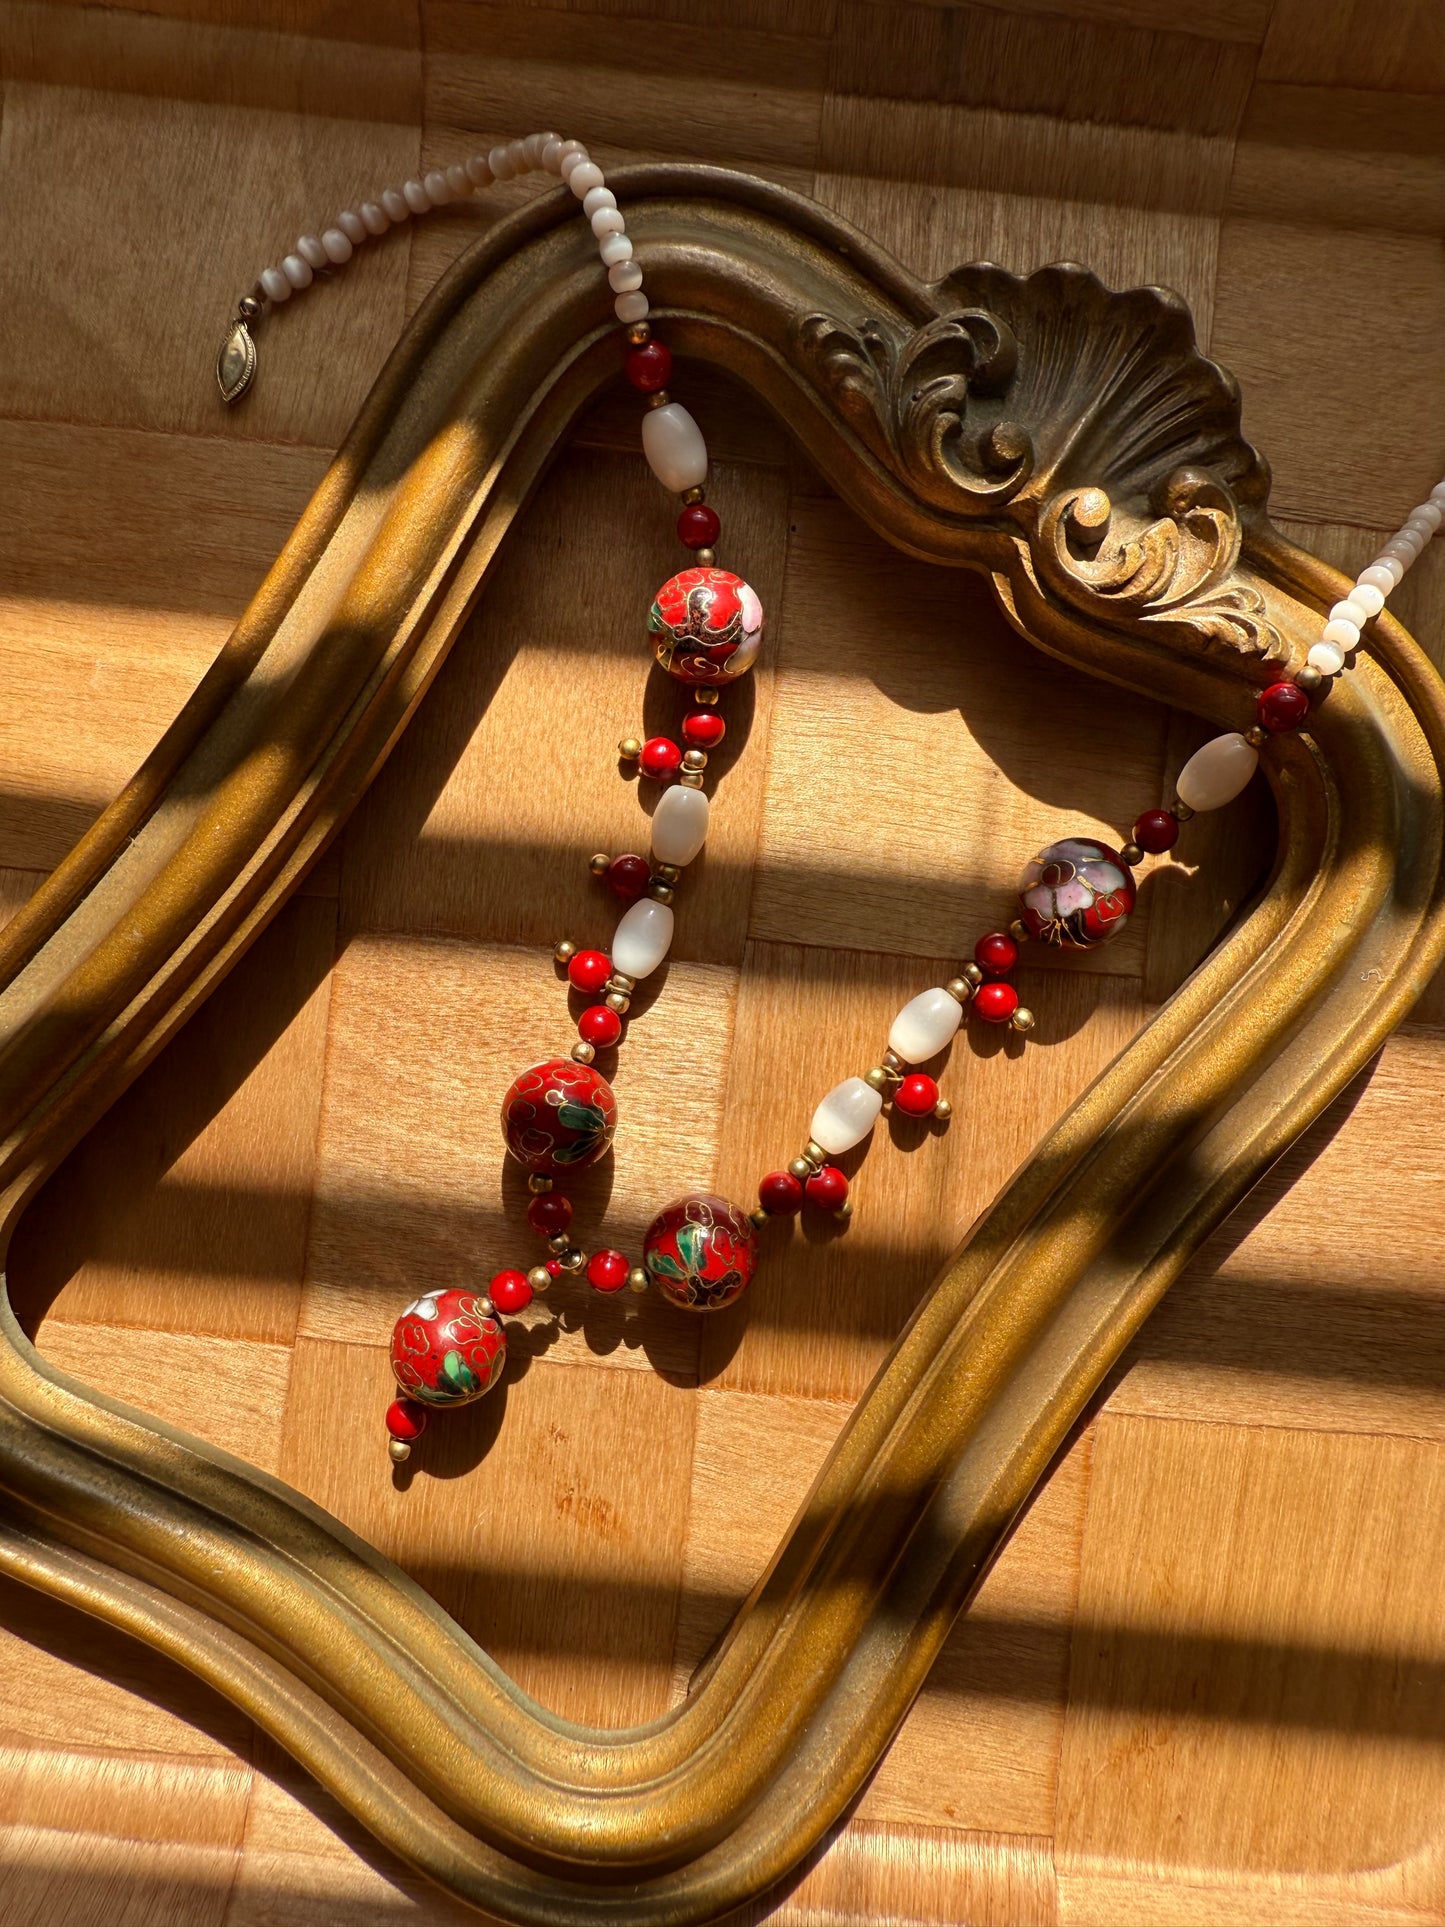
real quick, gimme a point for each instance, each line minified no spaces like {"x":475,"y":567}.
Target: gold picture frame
{"x":1072,"y":444}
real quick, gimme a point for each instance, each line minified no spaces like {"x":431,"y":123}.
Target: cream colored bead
{"x":925,"y":1025}
{"x":298,"y":272}
{"x":458,"y":181}
{"x":310,"y":249}
{"x":1327,"y":657}
{"x":631,"y":307}
{"x":499,"y":160}
{"x":615,"y":251}
{"x":478,"y":172}
{"x":395,"y":205}
{"x":1350,"y":611}
{"x":673,"y":444}
{"x":1378,"y":579}
{"x":642,"y":938}
{"x":339,"y":249}
{"x":1367,"y":598}
{"x":1216,"y":774}
{"x":1343,"y":633}
{"x":1430,"y":513}
{"x":417,"y":198}
{"x":679,"y":825}
{"x":274,"y":285}
{"x":595,"y":198}
{"x":607,"y":220}
{"x":351,"y":225}
{"x":535,"y":145}
{"x":438,"y":188}
{"x":846,"y":1116}
{"x":584,"y":177}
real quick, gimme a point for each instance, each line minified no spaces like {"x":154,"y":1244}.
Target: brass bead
{"x":573,"y":1259}
{"x":972,"y":974}
{"x":943,"y":1110}
{"x":1308,"y":679}
{"x":759,"y":1217}
{"x":629,"y":749}
{"x":539,"y":1278}
{"x":706,"y":558}
{"x":1132,"y":854}
{"x":484,"y":1306}
{"x":537,"y":1184}
{"x":583,"y":1051}
{"x":691,"y":495}
{"x":877,"y":1079}
{"x":558,"y":1243}
{"x":816,"y":1154}
{"x":844,"y":1211}
{"x":399,"y":1450}
{"x":600,"y":864}
{"x":639,"y":332}
{"x":565,"y":951}
{"x":960,"y":988}
{"x":619,"y":981}
{"x":691,"y":779}
{"x":1181,"y":812}
{"x":660,"y":892}
{"x":637,"y":1279}
{"x":615,"y":1000}
{"x":669,"y":872}
{"x":704,"y":692}
{"x":249,"y":309}
{"x":1019,"y":930}
{"x":893,"y":1062}
{"x":1256,"y":737}
{"x":660,"y":399}
{"x":1023,"y":1018}
{"x":694,"y":759}
{"x":800,"y":1168}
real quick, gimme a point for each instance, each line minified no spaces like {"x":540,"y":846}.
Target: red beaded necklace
{"x":700,"y":1251}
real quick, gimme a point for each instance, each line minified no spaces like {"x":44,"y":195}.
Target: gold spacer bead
{"x":691,"y":779}
{"x":1019,"y":930}
{"x":1023,"y":1018}
{"x":694,"y":759}
{"x":615,"y":1000}
{"x":691,"y":495}
{"x":537,"y":1184}
{"x":972,"y":974}
{"x":660,"y":399}
{"x":573,"y":1259}
{"x":705,"y":558}
{"x":959,"y":988}
{"x":399,"y":1450}
{"x":637,"y":1279}
{"x":629,"y":749}
{"x":1308,"y":679}
{"x":893,"y":1062}
{"x":1256,"y":737}
{"x":759,"y":1217}
{"x":669,"y":872}
{"x":539,"y":1278}
{"x":1131,"y":855}
{"x":619,"y":981}
{"x":660,"y":892}
{"x":705,"y":694}
{"x":816,"y":1154}
{"x":565,"y":951}
{"x":800,"y":1168}
{"x":844,"y":1211}
{"x":600,"y":864}
{"x":583,"y":1051}
{"x":877,"y":1079}
{"x":558,"y":1243}
{"x":1181,"y":812}
{"x":639,"y":332}
{"x":943,"y":1110}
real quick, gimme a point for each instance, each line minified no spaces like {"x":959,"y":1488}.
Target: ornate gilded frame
{"x":1072,"y":444}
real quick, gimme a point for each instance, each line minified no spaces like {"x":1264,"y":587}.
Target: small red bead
{"x":781,"y":1194}
{"x":509,"y":1290}
{"x":649,"y":367}
{"x":607,"y":1270}
{"x":589,"y":970}
{"x":1157,"y":831}
{"x":406,"y":1418}
{"x":599,"y":1027}
{"x":698,"y":526}
{"x":554,"y":1267}
{"x":995,"y":1003}
{"x":660,"y":757}
{"x":827,"y":1189}
{"x":703,"y":729}
{"x":996,"y":953}
{"x":1284,"y":705}
{"x":628,"y":877}
{"x":549,"y":1214}
{"x":916,"y":1095}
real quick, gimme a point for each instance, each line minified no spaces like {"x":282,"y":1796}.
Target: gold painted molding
{"x":1065,"y":440}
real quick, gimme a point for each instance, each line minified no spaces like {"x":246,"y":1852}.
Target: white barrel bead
{"x":596,"y":198}
{"x":438,"y":189}
{"x":615,"y":249}
{"x":1366,"y":597}
{"x":375,"y":217}
{"x":338,"y":247}
{"x":298,"y":272}
{"x":625,"y":277}
{"x":274,"y":285}
{"x":417,"y":198}
{"x":500,"y":162}
{"x":351,"y":225}
{"x":398,"y":207}
{"x":310,"y":249}
{"x":679,"y":825}
{"x":1327,"y":657}
{"x":1216,"y":774}
{"x":458,"y":181}
{"x":845,"y":1116}
{"x":478,"y":172}
{"x":1350,"y":610}
{"x":1338,"y":631}
{"x":632,"y":307}
{"x":1378,"y":579}
{"x":924,"y":1026}
{"x":607,"y":220}
{"x":642,"y":939}
{"x":672,"y":442}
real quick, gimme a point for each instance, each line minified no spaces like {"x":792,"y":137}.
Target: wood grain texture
{"x":1201,"y":1684}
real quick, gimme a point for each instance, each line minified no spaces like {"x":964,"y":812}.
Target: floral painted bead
{"x":446,"y":1350}
{"x":700,"y":1252}
{"x":559,"y":1116}
{"x":1076,"y":892}
{"x":708,"y":624}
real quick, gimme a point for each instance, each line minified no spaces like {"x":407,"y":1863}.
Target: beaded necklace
{"x":700,"y":1252}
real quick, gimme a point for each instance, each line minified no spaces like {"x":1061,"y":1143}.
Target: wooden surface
{"x":1206,"y":1681}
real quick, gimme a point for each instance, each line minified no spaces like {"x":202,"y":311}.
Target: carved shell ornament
{"x":1071,"y":444}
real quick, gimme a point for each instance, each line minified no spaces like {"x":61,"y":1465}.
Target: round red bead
{"x":660,"y":757}
{"x":509,"y":1290}
{"x":628,"y":877}
{"x":781,"y":1194}
{"x":1157,"y":831}
{"x":599,"y":1027}
{"x":827,"y":1189}
{"x":703,"y":729}
{"x":917,"y":1094}
{"x":996,"y":953}
{"x":698,"y":526}
{"x":1284,"y":705}
{"x":649,"y":367}
{"x":405,"y":1419}
{"x":607,"y":1270}
{"x":995,"y":1003}
{"x":549,"y":1214}
{"x":589,"y":970}
{"x":555,"y":1267}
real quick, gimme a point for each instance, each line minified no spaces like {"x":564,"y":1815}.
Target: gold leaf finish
{"x":1067,"y":441}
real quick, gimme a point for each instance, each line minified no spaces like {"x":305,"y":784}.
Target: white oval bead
{"x":478,"y":172}
{"x":1350,"y":610}
{"x":375,"y":217}
{"x":607,"y":220}
{"x":500,"y":162}
{"x":1378,"y":579}
{"x":338,"y":247}
{"x":614,"y":249}
{"x":1345,"y":634}
{"x":298,"y":272}
{"x":596,"y":198}
{"x":1365,"y":596}
{"x":642,"y":939}
{"x":274,"y":284}
{"x":417,"y":198}
{"x":584,"y":177}
{"x":845,"y":1116}
{"x":1328,"y":658}
{"x":679,"y":825}
{"x":351,"y":225}
{"x":924,"y":1026}
{"x":626,"y":276}
{"x":1216,"y":774}
{"x":535,"y":144}
{"x":310,"y":249}
{"x":458,"y":181}
{"x":437,"y":190}
{"x":672,"y":442}
{"x":398,"y":207}
{"x":632,"y":307}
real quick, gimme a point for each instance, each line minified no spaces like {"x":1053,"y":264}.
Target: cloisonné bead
{"x":997,"y":953}
{"x":708,"y":624}
{"x":607,"y":1270}
{"x":1076,"y":892}
{"x":827,"y":1190}
{"x":588,"y":970}
{"x":698,"y":527}
{"x":649,"y":367}
{"x":559,"y":1116}
{"x":1156,"y":831}
{"x":509,"y":1291}
{"x":780,"y":1194}
{"x":996,"y":1003}
{"x":703,"y":729}
{"x":660,"y":758}
{"x":700,"y":1252}
{"x":916,"y":1096}
{"x":628,"y":877}
{"x":1284,"y":705}
{"x":599,"y":1027}
{"x":447,"y":1350}
{"x":549,"y":1214}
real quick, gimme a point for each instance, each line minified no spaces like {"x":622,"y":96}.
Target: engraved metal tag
{"x":236,"y":363}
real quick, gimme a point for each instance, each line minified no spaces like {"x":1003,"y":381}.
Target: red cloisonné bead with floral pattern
{"x":559,"y":1116}
{"x":708,"y":624}
{"x":446,"y":1349}
{"x":1076,"y":892}
{"x":700,"y":1252}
